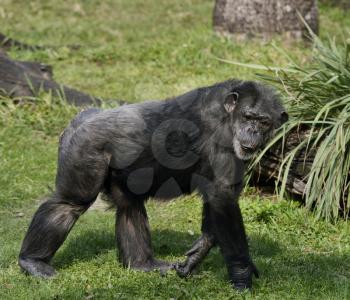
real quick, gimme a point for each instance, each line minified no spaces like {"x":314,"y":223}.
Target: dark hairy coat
{"x":162,"y":149}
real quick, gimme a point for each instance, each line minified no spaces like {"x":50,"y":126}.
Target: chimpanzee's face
{"x":256,"y":113}
{"x":253,"y":128}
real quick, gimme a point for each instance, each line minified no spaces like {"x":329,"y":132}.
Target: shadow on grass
{"x":261,"y":247}
{"x":92,"y":243}
{"x":275,"y":262}
{"x":297,"y":279}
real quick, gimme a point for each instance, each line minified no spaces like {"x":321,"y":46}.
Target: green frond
{"x":318,"y":97}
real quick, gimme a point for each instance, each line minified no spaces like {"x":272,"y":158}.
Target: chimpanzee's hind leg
{"x":133,"y":236}
{"x":47,"y":231}
{"x":78,"y":183}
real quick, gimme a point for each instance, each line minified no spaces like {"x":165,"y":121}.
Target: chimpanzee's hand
{"x":195,"y":255}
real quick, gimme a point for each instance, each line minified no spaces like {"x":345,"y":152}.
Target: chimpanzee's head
{"x":255,"y":112}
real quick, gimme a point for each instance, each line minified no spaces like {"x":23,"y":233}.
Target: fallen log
{"x":25,"y":79}
{"x":267,"y":171}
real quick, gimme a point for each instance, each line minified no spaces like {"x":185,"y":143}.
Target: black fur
{"x":161,"y":149}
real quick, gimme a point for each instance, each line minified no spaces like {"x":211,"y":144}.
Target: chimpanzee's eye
{"x":247,"y":117}
{"x":266,"y":122}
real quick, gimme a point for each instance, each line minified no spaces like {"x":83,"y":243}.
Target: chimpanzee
{"x":198,"y":141}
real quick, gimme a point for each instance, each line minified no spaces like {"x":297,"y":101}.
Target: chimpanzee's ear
{"x":283,"y":118}
{"x":231,"y":101}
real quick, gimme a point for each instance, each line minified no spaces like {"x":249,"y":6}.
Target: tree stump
{"x":242,"y":19}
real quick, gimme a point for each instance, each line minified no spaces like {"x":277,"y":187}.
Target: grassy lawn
{"x":137,"y":50}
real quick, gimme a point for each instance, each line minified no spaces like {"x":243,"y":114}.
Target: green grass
{"x":135,"y":50}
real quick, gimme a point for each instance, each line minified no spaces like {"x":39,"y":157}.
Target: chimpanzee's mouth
{"x":242,"y":152}
{"x":248,"y":150}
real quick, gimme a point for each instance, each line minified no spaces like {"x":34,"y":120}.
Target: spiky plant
{"x":318,"y":96}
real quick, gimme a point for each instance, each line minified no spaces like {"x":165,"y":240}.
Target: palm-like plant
{"x":318,"y":98}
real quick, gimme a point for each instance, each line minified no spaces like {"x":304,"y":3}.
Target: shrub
{"x":318,"y":97}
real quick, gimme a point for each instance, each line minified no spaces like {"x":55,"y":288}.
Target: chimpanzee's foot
{"x":242,"y":274}
{"x":155,"y":265}
{"x":36,"y":267}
